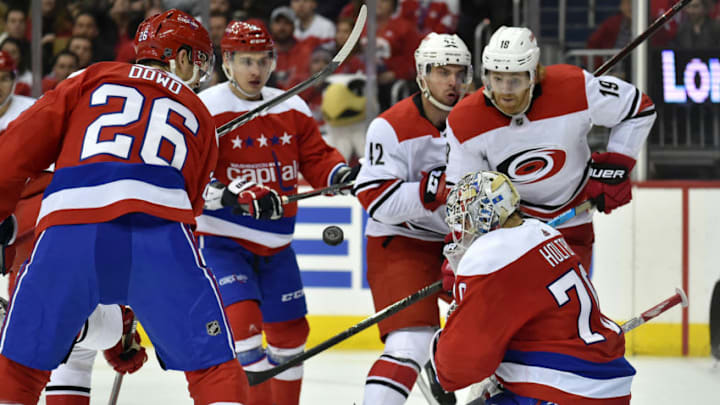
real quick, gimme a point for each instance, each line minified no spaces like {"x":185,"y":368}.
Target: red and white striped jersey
{"x":527,"y":312}
{"x":124,"y":138}
{"x":545,"y":151}
{"x":401,"y":144}
{"x":273,"y":150}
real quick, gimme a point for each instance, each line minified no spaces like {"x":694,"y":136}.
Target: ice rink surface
{"x":337,"y":377}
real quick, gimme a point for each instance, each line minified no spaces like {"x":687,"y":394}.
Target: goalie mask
{"x":479,"y":203}
{"x":440,"y":50}
{"x":510,"y":50}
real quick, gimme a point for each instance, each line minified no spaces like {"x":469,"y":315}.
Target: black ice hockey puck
{"x":333,"y":235}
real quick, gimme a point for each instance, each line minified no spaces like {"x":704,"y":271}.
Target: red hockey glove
{"x":609,"y":185}
{"x":8,"y":231}
{"x":259,"y":201}
{"x":433,"y":191}
{"x":127,"y":356}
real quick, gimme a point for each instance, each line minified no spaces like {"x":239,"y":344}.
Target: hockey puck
{"x":333,"y":235}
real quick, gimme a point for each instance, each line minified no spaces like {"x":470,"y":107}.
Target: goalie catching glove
{"x":433,"y":190}
{"x":609,"y":185}
{"x":127,"y":356}
{"x":8,"y":232}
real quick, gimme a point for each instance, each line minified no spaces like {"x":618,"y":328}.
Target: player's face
{"x":446,"y":83}
{"x":6,"y":84}
{"x":251,"y":70}
{"x":511,"y":90}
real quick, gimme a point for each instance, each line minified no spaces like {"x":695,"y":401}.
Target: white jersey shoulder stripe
{"x":499,"y":248}
{"x":220,"y":99}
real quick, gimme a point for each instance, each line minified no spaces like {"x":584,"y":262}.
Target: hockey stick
{"x":256,"y":377}
{"x":287,"y":199}
{"x":297,"y":89}
{"x":117,"y":383}
{"x":570,"y":214}
{"x":678,"y":298}
{"x":640,"y":38}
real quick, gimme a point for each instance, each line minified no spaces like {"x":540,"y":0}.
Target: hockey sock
{"x":21,"y":384}
{"x":393,"y":375}
{"x":70,"y":382}
{"x":285,"y":340}
{"x":390,"y":380}
{"x":246,"y":323}
{"x":223,"y":383}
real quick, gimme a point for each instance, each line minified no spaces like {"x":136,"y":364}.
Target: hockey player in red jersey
{"x":531,"y":123}
{"x":134,"y":148}
{"x":525,"y":310}
{"x":251,"y":256}
{"x":402,"y":187}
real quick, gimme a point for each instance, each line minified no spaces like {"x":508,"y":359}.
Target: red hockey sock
{"x":246,"y":322}
{"x":225,"y":382}
{"x":286,"y":392}
{"x":67,"y":400}
{"x":388,"y":377}
{"x":21,"y":384}
{"x":286,"y":339}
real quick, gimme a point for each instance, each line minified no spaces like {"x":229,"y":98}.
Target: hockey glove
{"x":609,"y":185}
{"x":433,"y":191}
{"x":259,"y":201}
{"x":127,"y":356}
{"x":345,"y":174}
{"x":8,"y":232}
{"x":213,"y":195}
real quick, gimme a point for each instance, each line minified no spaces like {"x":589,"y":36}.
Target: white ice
{"x":337,"y":377}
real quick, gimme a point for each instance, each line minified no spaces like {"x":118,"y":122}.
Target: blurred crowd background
{"x":682,"y":73}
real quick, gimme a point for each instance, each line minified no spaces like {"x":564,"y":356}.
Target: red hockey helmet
{"x":161,"y":36}
{"x":7,"y":63}
{"x":245,"y":37}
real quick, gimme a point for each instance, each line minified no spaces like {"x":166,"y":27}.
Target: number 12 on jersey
{"x":158,"y":127}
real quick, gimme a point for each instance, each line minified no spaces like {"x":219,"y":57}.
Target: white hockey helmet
{"x":511,"y":49}
{"x":479,"y":203}
{"x":438,"y":50}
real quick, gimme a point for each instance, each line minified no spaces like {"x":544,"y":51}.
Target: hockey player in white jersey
{"x":11,"y":104}
{"x":402,"y":187}
{"x":531,"y":123}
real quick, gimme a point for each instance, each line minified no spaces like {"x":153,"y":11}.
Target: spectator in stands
{"x":56,"y":29}
{"x":614,"y":32}
{"x":82,"y":47}
{"x":439,"y":16}
{"x":698,"y":30}
{"x":86,"y":25}
{"x":397,"y":39}
{"x":319,"y":59}
{"x":124,"y":18}
{"x":13,"y":47}
{"x":310,"y":24}
{"x":16,"y":23}
{"x":292,"y":55}
{"x":355,"y":62}
{"x":64,"y":63}
{"x":218,"y":21}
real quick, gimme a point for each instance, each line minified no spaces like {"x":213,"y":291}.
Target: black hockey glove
{"x":345,"y":174}
{"x":8,"y":232}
